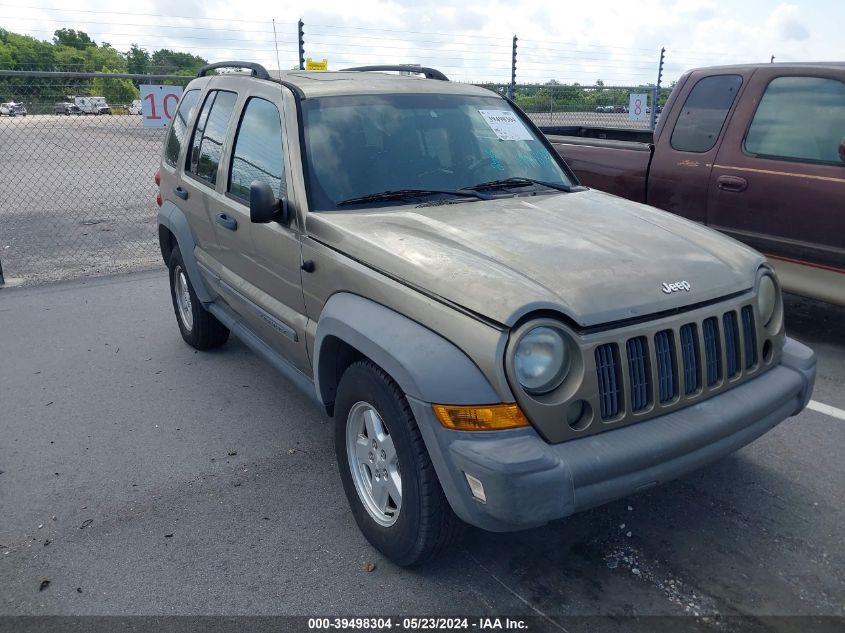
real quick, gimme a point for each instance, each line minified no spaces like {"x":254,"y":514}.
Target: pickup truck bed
{"x":626,"y":175}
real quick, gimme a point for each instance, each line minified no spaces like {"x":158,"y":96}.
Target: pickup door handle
{"x":731,"y":183}
{"x":227,"y":222}
{"x":182,"y":193}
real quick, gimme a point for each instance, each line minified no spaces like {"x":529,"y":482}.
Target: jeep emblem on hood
{"x":675,"y":287}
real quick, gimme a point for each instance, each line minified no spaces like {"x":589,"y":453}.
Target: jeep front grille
{"x":639,"y":370}
{"x":689,"y":350}
{"x":676,"y":363}
{"x":712,"y":351}
{"x":607,"y":366}
{"x":665,"y":364}
{"x":731,"y":343}
{"x":750,"y":337}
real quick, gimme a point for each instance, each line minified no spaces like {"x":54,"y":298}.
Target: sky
{"x":617,"y":42}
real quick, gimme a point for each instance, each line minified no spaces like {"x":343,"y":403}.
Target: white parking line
{"x":827,"y":410}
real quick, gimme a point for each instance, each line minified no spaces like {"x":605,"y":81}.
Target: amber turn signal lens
{"x":493,"y":417}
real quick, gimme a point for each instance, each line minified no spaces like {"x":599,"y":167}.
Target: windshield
{"x":367,"y":144}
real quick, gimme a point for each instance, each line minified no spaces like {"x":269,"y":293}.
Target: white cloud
{"x":786,"y":22}
{"x":618,"y":42}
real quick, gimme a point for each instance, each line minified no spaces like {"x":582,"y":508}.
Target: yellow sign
{"x":310,"y":64}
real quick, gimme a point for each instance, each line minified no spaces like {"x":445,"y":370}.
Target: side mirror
{"x":842,"y":150}
{"x":263,"y":205}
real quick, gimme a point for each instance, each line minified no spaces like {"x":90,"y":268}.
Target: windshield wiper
{"x":404,"y":194}
{"x":507,"y":183}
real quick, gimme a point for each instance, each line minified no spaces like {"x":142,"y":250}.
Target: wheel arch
{"x":174,"y":230}
{"x":425,"y":365}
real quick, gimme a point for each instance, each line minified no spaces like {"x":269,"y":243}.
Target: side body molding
{"x":425,"y":365}
{"x":171,"y":217}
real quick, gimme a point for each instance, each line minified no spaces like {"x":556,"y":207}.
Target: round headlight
{"x":541,"y":360}
{"x":767,"y":299}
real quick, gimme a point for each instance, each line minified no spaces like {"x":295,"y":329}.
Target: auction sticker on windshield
{"x":506,"y":126}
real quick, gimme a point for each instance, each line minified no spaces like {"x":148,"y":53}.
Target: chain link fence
{"x":78,"y":190}
{"x":590,"y":106}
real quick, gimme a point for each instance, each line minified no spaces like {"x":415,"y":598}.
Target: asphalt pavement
{"x":138,"y":476}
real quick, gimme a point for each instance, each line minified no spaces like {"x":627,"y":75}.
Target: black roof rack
{"x":430,"y":73}
{"x":257,"y":69}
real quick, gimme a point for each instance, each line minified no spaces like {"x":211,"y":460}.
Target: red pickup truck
{"x":755,"y":151}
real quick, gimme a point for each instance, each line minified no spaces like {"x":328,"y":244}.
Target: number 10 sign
{"x":158,"y":104}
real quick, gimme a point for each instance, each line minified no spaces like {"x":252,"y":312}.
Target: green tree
{"x":69,"y":58}
{"x":116,"y":91}
{"x":6,"y":59}
{"x":98,"y":58}
{"x":29,"y":53}
{"x":79,"y":40}
{"x":138,"y":60}
{"x":165,"y":61}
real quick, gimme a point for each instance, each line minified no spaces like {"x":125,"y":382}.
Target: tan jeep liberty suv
{"x":497,"y":344}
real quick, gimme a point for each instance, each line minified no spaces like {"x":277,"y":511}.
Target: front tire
{"x":198,"y":326}
{"x":387,"y":474}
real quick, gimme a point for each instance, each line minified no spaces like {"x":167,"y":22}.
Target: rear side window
{"x":179,"y":126}
{"x":258,"y":150}
{"x":207,"y":143}
{"x":704,"y":113}
{"x":799,"y":118}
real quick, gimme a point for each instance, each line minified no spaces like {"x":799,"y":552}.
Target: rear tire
{"x":387,"y":474}
{"x":198,"y":326}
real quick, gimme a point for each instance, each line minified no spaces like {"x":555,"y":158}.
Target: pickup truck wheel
{"x":387,"y":475}
{"x":198,"y":326}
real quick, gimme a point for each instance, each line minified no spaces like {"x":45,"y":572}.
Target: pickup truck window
{"x":207,"y":143}
{"x":704,"y":113}
{"x":178,"y":127}
{"x":799,"y":118}
{"x":258,"y":150}
{"x":365,"y":144}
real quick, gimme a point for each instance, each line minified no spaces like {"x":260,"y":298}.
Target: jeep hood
{"x":592,"y":256}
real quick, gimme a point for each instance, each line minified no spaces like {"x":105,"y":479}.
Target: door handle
{"x":182,"y":193}
{"x":731,"y":183}
{"x":227,"y":222}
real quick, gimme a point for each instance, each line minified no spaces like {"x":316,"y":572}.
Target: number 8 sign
{"x":637,"y":110}
{"x":158,"y":104}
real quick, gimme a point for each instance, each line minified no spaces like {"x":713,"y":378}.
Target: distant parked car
{"x":136,"y":108}
{"x":67,"y":108}
{"x":12,"y":109}
{"x":92,"y":105}
{"x":620,"y":109}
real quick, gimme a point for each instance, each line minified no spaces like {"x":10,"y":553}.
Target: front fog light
{"x":541,"y":360}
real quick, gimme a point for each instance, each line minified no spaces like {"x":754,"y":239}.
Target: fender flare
{"x":425,"y":365}
{"x":173,"y":219}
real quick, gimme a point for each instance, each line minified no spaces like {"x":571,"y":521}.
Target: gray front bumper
{"x":529,"y":482}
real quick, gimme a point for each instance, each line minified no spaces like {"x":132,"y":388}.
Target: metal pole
{"x":512,"y":87}
{"x":656,"y":92}
{"x":301,"y":45}
{"x":2,"y":280}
